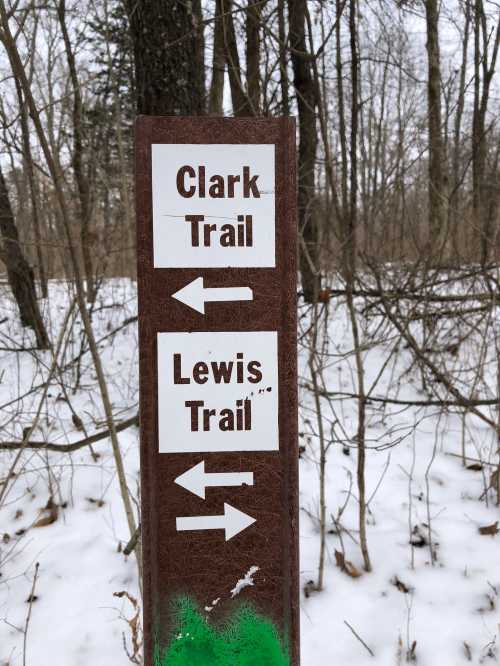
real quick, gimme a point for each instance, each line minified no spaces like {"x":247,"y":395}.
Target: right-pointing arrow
{"x":233,"y":522}
{"x":196,"y":480}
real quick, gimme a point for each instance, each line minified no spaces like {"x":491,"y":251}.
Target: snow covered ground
{"x":422,"y":500}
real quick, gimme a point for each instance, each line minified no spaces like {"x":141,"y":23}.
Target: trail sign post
{"x":216,"y":243}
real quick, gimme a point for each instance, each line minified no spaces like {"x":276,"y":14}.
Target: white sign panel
{"x":213,"y":205}
{"x":218,"y":391}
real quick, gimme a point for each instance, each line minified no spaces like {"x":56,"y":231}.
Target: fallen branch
{"x":411,"y":403}
{"x":394,"y":294}
{"x":474,"y":460}
{"x":439,"y":376}
{"x":73,"y":446}
{"x":359,"y":638}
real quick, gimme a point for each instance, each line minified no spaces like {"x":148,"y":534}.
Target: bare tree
{"x":456,"y":175}
{"x":484,"y":69}
{"x":253,"y":30}
{"x":283,"y":53}
{"x":306,"y":104}
{"x":437,"y":165}
{"x":80,"y":164}
{"x":19,"y":272}
{"x":216,"y":98}
{"x":239,"y":97}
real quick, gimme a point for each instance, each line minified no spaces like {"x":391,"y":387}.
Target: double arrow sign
{"x":196,"y":480}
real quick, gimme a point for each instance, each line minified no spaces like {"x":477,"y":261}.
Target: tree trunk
{"x":306,"y":103}
{"x":216,"y":98}
{"x":19,"y":272}
{"x":484,"y":70}
{"x":342,"y":124}
{"x":350,"y":253}
{"x":437,"y":178}
{"x":241,"y":106}
{"x":253,"y":18}
{"x":30,"y":171}
{"x":78,"y":161}
{"x":285,"y":95}
{"x":35,"y":205}
{"x":478,"y":148}
{"x":455,"y":198}
{"x":169,"y":59}
{"x":196,"y":18}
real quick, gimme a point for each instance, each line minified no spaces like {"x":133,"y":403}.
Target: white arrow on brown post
{"x":196,"y":480}
{"x":195,"y":294}
{"x":232,"y":522}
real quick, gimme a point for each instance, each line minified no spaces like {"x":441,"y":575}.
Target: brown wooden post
{"x":216,"y":243}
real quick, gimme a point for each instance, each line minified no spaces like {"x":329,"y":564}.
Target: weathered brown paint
{"x":203,"y":563}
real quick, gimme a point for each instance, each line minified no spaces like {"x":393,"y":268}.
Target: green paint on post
{"x":246,"y":639}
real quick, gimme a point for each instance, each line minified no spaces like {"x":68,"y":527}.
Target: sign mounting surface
{"x":216,"y":242}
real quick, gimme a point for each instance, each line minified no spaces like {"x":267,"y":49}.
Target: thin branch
{"x":73,"y":446}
